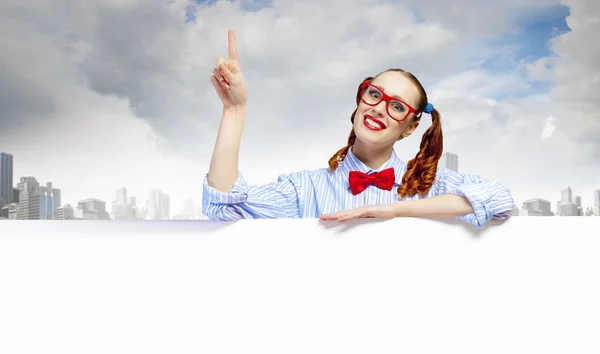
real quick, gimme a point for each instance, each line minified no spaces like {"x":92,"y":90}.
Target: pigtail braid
{"x":421,"y":171}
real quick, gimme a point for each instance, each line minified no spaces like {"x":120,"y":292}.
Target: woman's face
{"x":373,"y":125}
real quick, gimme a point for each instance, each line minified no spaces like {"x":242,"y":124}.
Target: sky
{"x":105,"y":94}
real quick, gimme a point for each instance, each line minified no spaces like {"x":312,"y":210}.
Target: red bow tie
{"x":359,"y":181}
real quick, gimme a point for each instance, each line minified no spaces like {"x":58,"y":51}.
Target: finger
{"x":332,"y":216}
{"x":220,"y":89}
{"x":218,"y":62}
{"x":227,"y":74}
{"x":350,"y":216}
{"x":233,"y":55}
{"x":221,"y":80}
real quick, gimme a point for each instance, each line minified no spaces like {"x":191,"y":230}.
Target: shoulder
{"x":308,"y":175}
{"x":310,"y":180}
{"x":445,"y":175}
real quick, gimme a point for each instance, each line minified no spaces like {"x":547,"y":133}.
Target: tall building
{"x":29,"y":199}
{"x":50,"y":201}
{"x":577,"y":201}
{"x":536,"y":207}
{"x":91,"y":209}
{"x":567,"y":206}
{"x":449,"y":161}
{"x":566,"y":196}
{"x":157,"y":206}
{"x":6,"y":179}
{"x":121,"y":208}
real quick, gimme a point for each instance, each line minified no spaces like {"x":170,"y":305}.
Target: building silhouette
{"x":568,"y":206}
{"x":65,"y":213}
{"x":122,"y":208}
{"x":157,"y":206}
{"x":6,"y":179}
{"x":449,"y":160}
{"x":29,"y":199}
{"x":91,"y":209}
{"x":536,"y":207}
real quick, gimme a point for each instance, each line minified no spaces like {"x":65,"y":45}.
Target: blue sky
{"x":529,"y":44}
{"x":247,"y":5}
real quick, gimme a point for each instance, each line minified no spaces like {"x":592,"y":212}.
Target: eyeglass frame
{"x":387,"y":99}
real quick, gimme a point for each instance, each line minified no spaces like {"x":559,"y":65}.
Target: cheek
{"x":396,"y":127}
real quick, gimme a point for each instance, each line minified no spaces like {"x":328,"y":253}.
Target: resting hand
{"x":382,"y":211}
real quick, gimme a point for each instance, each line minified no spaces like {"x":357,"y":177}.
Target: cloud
{"x":549,"y":128}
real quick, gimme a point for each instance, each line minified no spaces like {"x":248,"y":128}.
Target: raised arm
{"x":228,"y":81}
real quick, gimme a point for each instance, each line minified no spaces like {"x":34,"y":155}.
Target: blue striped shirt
{"x":310,"y":193}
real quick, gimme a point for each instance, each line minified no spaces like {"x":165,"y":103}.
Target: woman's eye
{"x":374,"y":93}
{"x":398,"y":107}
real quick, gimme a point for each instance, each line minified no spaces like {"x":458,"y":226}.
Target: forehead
{"x":397,"y":84}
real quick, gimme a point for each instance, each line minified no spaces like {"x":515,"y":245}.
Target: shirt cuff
{"x":477,"y":194}
{"x":238,"y":193}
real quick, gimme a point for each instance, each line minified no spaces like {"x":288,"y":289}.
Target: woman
{"x":365,"y":178}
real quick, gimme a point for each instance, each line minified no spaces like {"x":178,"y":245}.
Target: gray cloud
{"x":21,"y":101}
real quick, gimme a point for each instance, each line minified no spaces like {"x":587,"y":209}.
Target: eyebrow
{"x":394,"y":96}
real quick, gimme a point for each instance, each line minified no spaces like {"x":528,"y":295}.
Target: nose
{"x":380,"y":108}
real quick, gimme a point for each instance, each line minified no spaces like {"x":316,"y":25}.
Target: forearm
{"x":446,"y":205}
{"x":223,"y":170}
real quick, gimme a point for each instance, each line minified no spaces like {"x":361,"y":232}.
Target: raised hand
{"x":228,"y":79}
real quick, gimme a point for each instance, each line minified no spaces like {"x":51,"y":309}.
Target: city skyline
{"x":47,"y":202}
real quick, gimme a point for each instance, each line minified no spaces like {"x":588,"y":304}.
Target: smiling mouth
{"x":372,"y":123}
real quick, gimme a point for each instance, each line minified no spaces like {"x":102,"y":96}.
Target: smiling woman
{"x":365,"y":178}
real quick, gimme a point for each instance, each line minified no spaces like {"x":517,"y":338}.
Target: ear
{"x":409,"y":129}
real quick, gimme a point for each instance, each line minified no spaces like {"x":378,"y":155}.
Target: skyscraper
{"x":121,"y":209}
{"x":567,"y":205}
{"x":566,"y":196}
{"x":449,"y":161}
{"x":157,"y":206}
{"x":6,"y":178}
{"x":29,"y":199}
{"x":49,"y":202}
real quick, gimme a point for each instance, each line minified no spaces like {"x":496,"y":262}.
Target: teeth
{"x":373,"y":123}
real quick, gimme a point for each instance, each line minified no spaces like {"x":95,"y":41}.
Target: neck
{"x":372,"y":156}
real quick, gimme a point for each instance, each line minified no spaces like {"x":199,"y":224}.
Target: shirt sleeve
{"x":489,"y":199}
{"x":279,"y":199}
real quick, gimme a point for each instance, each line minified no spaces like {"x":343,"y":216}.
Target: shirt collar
{"x":352,"y":163}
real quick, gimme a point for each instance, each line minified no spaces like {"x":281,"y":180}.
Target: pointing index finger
{"x":232,"y":47}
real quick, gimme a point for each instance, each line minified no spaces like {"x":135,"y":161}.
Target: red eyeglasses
{"x":396,"y":108}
